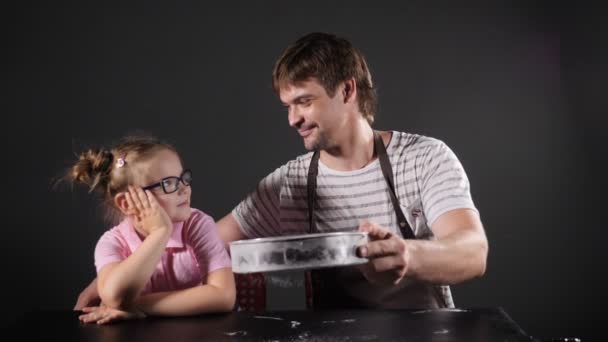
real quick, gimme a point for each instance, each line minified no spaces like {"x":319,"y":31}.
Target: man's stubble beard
{"x":319,"y":142}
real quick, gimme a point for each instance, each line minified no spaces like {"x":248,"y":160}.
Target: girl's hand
{"x":149,"y":215}
{"x":88,"y":297}
{"x":102,"y":314}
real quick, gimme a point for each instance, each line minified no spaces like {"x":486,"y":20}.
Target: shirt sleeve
{"x":444,"y":183}
{"x":258,"y":214}
{"x":110,"y":248}
{"x":202,"y":235}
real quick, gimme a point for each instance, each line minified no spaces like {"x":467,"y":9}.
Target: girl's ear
{"x":120,"y":200}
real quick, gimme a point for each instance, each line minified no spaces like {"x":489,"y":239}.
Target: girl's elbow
{"x":482,"y":259}
{"x":481,"y":268}
{"x":229,"y":299}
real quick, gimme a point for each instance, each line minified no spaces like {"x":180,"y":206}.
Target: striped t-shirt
{"x":429,"y":181}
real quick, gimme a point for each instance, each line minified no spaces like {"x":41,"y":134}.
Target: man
{"x":409,"y":192}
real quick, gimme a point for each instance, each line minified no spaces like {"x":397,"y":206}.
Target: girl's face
{"x":163,"y":164}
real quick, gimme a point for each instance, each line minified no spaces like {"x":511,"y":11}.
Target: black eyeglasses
{"x":171,"y":184}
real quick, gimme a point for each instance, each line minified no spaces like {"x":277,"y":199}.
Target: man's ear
{"x":120,"y":200}
{"x":350,"y":90}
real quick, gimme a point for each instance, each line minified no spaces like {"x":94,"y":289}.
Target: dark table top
{"x":485,"y":324}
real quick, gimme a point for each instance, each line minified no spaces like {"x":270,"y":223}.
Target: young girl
{"x":164,"y":257}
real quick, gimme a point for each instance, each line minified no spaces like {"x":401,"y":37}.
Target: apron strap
{"x":387,"y":172}
{"x":311,"y":185}
{"x":314,"y":277}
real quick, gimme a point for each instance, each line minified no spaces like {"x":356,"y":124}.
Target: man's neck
{"x":352,"y":150}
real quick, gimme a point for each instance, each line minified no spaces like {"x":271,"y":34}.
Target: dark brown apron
{"x":324,"y":286}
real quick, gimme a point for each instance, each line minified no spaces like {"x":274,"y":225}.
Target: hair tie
{"x":120,"y":162}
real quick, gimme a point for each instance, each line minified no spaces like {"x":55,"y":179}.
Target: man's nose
{"x":294,"y":117}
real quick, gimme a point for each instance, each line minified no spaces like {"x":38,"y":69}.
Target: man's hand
{"x":388,"y":254}
{"x":458,"y":252}
{"x":102,"y":314}
{"x":88,"y":297}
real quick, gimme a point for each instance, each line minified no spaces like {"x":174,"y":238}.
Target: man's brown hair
{"x":331,"y":60}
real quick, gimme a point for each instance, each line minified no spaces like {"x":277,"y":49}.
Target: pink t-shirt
{"x":194,"y":250}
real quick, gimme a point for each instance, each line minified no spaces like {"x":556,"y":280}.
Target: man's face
{"x":316,"y":116}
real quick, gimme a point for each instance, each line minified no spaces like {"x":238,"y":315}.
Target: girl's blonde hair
{"x":109,"y":171}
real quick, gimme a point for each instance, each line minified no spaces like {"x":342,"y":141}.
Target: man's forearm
{"x":453,"y":259}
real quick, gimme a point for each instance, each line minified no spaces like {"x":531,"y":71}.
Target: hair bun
{"x":106,"y":161}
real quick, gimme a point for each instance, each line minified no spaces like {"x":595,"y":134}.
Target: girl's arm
{"x":217,"y":295}
{"x":120,"y":283}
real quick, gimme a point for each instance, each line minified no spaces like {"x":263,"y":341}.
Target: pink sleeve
{"x":202,"y":235}
{"x":110,"y":248}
